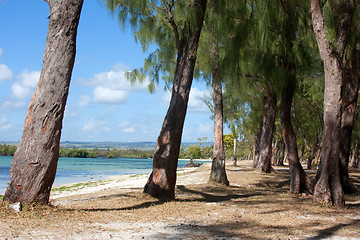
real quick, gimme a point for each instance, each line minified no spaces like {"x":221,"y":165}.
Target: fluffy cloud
{"x":25,"y":85}
{"x":84,"y":100}
{"x":129,"y":130}
{"x":93,"y":124}
{"x":112,"y":87}
{"x":4,"y":125}
{"x":196,"y":102}
{"x":107,"y":95}
{"x":5,"y":73}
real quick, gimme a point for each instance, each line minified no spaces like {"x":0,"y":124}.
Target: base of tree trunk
{"x":299,"y":180}
{"x":218,"y":173}
{"x":156,"y":191}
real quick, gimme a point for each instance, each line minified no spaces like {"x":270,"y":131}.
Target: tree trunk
{"x":34,"y":164}
{"x":235,"y":149}
{"x":355,"y":157}
{"x":275,"y":153}
{"x":256,"y":155}
{"x":280,"y":161}
{"x":349,"y":108}
{"x":161,"y":183}
{"x":218,"y":173}
{"x":267,"y":132}
{"x":299,"y":181}
{"x":328,"y":188}
{"x":350,"y":91}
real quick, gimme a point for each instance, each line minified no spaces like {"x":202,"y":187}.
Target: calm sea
{"x":75,"y":170}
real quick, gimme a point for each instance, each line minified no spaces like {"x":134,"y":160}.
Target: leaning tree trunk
{"x":328,"y":187}
{"x":350,"y":91}
{"x":263,"y":162}
{"x":34,"y":164}
{"x":161,"y":183}
{"x":299,"y":181}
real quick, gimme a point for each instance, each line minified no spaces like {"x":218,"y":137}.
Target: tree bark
{"x":256,"y":155}
{"x":34,"y":164}
{"x":267,"y":132}
{"x":328,"y":187}
{"x":235,"y":149}
{"x":218,"y":173}
{"x":161,"y":183}
{"x":299,"y":181}
{"x":280,"y":161}
{"x":355,"y":157}
{"x":349,"y":108}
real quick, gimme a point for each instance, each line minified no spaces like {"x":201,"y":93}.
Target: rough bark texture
{"x":350,"y":91}
{"x":161,"y":183}
{"x":280,"y":161}
{"x":355,"y":156}
{"x":235,"y":149}
{"x":218,"y":173}
{"x":299,"y":181}
{"x":34,"y":164}
{"x":349,"y":108}
{"x":263,"y":162}
{"x":328,"y":187}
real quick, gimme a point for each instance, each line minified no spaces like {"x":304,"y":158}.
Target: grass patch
{"x":77,"y":186}
{"x":1,"y":197}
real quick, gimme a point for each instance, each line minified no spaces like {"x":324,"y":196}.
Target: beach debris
{"x":16,"y":207}
{"x":193,"y":164}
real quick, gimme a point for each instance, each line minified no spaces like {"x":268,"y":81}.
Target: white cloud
{"x":84,"y":100}
{"x":205,"y":129}
{"x":113,"y":86}
{"x":196,"y":103}
{"x":19,"y":91}
{"x":129,"y":130}
{"x":29,"y":79}
{"x":25,"y":85}
{"x":94,"y":124}
{"x":5,"y":73}
{"x":1,"y":52}
{"x":107,"y":95}
{"x":4,"y":125}
{"x":13,"y":104}
{"x":196,"y":100}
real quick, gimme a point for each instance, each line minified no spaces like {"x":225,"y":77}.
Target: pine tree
{"x":34,"y":164}
{"x":332,"y":22}
{"x":175,"y":27}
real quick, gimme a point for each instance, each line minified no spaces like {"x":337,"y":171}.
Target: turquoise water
{"x":75,"y":170}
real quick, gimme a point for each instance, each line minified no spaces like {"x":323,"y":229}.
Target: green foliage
{"x":109,"y":153}
{"x":198,"y":151}
{"x":7,"y":150}
{"x":164,"y":24}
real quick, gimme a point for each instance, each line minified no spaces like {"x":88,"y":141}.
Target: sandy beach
{"x":254,"y":206}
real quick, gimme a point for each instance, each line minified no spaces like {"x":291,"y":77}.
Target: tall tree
{"x":350,"y":90}
{"x":34,"y":164}
{"x":332,"y":38}
{"x":175,"y":26}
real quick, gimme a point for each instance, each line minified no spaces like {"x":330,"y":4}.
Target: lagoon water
{"x":75,"y":170}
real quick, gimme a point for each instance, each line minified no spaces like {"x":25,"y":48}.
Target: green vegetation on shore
{"x":7,"y":150}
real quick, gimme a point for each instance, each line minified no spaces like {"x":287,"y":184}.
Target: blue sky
{"x":102,"y":105}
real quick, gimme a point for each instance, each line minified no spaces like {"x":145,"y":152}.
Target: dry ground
{"x":254,"y":206}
